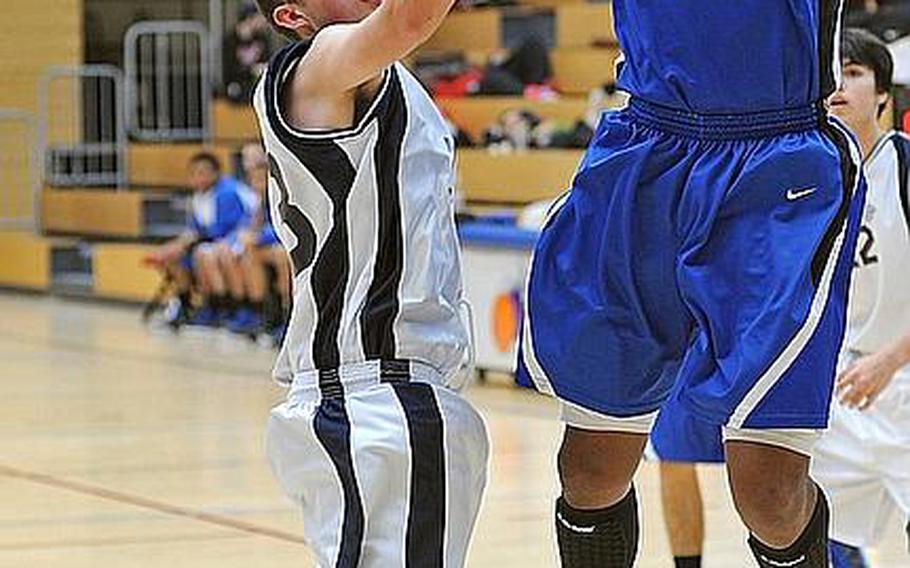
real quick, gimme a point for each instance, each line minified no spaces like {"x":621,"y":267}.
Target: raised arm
{"x":346,"y":55}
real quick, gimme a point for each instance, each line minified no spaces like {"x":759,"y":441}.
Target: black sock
{"x":603,"y":538}
{"x":809,"y":551}
{"x":687,"y":561}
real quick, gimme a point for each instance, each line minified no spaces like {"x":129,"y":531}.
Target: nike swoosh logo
{"x":794,"y":194}
{"x":574,"y":528}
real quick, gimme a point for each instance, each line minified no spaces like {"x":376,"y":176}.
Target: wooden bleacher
{"x":165,"y":165}
{"x":515,"y":179}
{"x":476,"y":114}
{"x":102,"y":215}
{"x":26,"y":260}
{"x":92,"y":213}
{"x":119,"y":274}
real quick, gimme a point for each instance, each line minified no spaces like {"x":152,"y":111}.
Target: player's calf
{"x":810,"y":550}
{"x":597,"y":516}
{"x":786,"y":513}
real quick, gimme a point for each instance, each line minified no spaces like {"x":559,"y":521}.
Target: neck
{"x":868,"y":135}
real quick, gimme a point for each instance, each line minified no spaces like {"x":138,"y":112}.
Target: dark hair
{"x":209,"y":159}
{"x":862,"y":48}
{"x":267,"y":7}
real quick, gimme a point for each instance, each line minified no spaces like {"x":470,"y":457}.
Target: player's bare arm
{"x":347,"y":57}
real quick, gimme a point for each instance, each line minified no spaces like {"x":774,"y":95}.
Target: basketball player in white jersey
{"x":387,"y":460}
{"x":863,"y":461}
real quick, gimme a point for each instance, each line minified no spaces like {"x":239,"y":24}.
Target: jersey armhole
{"x":277,"y":75}
{"x":902,"y":148}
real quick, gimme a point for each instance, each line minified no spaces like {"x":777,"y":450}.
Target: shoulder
{"x":901,"y":141}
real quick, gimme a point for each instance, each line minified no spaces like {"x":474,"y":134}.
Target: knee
{"x":774,"y":508}
{"x":593,"y":477}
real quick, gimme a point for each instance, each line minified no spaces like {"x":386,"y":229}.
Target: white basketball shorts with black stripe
{"x":389,"y":468}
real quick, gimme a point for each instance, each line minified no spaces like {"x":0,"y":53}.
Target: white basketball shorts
{"x":388,"y":473}
{"x":863,"y":464}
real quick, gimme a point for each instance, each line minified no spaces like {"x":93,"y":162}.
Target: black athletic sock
{"x":604,"y":538}
{"x":687,"y":561}
{"x":257,"y":307}
{"x":809,"y":551}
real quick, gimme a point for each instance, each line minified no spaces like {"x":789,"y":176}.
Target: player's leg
{"x":212,"y":285}
{"x":254,"y":282}
{"x":683,"y":512}
{"x":597,"y":514}
{"x":784,"y":510}
{"x":391,"y":475}
{"x":604,"y":330}
{"x":844,"y":463}
{"x":680,"y":440}
{"x":767,"y":274}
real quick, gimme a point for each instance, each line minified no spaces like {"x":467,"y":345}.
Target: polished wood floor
{"x":122,"y":446}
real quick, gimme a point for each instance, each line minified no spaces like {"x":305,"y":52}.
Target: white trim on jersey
{"x":819,"y":300}
{"x":541,"y":382}
{"x":334,"y":133}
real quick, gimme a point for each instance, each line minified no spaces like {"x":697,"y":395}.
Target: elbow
{"x":419,"y":23}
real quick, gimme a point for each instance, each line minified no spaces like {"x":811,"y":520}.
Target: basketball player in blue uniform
{"x":706,"y":243}
{"x":386,"y":459}
{"x":863,"y":460}
{"x":218,"y":210}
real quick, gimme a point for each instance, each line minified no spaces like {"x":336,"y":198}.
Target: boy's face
{"x":202,"y":176}
{"x":325,"y":12}
{"x":858,"y":100}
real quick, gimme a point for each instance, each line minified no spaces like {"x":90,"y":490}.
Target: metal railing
{"x":19,"y":179}
{"x":168,"y":80}
{"x":83,"y":126}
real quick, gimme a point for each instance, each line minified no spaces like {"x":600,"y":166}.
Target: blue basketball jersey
{"x":743,"y":56}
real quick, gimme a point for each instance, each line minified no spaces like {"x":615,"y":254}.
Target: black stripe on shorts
{"x":849,"y":173}
{"x":425,"y":536}
{"x":333,"y":429}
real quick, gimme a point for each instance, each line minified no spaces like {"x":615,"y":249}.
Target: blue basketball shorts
{"x":712,"y":251}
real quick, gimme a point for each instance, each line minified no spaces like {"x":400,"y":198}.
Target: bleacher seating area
{"x":90,"y":240}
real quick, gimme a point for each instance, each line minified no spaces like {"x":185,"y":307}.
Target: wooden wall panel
{"x":26,"y":261}
{"x":516,"y":178}
{"x":33,"y":36}
{"x":166,"y":165}
{"x":119,"y":274}
{"x":87,"y":212}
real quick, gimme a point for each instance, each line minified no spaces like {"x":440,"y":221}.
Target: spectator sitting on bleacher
{"x":218,"y":212}
{"x":254,"y":247}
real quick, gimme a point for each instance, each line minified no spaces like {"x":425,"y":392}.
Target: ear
{"x":291,"y":17}
{"x":883,"y":98}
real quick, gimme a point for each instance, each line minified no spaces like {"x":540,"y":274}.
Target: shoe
{"x":205,"y":317}
{"x":245,"y":322}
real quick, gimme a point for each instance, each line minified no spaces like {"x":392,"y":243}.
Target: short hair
{"x":208,"y":158}
{"x":267,"y":8}
{"x":862,"y":48}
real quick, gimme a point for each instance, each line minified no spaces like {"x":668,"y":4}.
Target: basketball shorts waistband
{"x":332,"y":383}
{"x":736,"y":126}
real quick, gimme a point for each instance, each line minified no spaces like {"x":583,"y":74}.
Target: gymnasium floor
{"x":129,"y":447}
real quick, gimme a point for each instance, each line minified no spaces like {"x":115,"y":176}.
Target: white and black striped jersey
{"x":880,"y":297}
{"x":367,"y":215}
